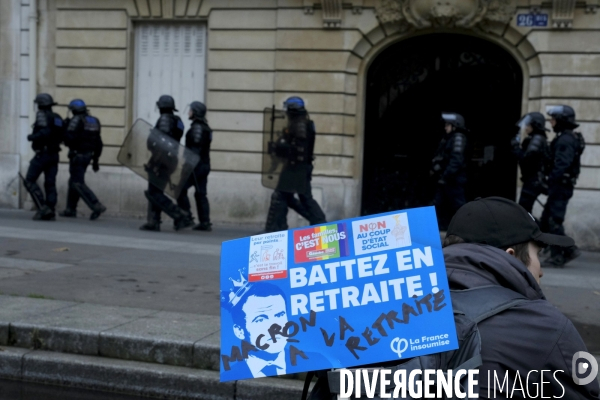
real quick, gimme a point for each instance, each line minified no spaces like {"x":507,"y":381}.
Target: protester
{"x":495,"y":242}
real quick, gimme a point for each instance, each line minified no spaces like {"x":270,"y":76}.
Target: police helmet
{"x":77,"y":106}
{"x":454,"y":119}
{"x":44,"y":100}
{"x":293,"y":103}
{"x":535,"y":119}
{"x":198,"y":109}
{"x":562,"y":113}
{"x":166,"y":101}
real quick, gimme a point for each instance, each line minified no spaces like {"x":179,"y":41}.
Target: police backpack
{"x":581,"y":140}
{"x":470,"y":306}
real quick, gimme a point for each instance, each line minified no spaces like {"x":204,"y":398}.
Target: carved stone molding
{"x":535,"y":6}
{"x":591,"y":7}
{"x":445,"y":13}
{"x":332,"y":13}
{"x":309,"y":7}
{"x":563,"y":12}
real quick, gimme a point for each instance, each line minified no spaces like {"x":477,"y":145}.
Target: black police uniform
{"x":198,"y":139}
{"x":296,"y":174}
{"x":45,"y":141}
{"x":565,"y":163}
{"x":565,"y":153}
{"x":85,"y":146}
{"x":450,"y":165}
{"x":170,"y":125}
{"x":533,"y":155}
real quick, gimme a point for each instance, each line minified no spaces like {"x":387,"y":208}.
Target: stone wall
{"x":262,"y":51}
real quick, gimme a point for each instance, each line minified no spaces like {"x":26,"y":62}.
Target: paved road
{"x":111,"y":262}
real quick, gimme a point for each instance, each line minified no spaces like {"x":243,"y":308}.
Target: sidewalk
{"x":103,"y":305}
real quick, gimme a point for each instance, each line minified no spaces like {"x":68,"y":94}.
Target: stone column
{"x":10,"y":17}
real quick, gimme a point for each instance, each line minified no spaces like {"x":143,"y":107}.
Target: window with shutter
{"x":169,"y":59}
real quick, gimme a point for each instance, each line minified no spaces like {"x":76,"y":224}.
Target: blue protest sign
{"x":342,"y":294}
{"x":532,"y":20}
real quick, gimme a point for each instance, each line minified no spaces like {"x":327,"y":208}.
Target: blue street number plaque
{"x":532,"y":20}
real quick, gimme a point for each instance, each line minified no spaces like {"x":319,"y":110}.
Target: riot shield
{"x":274,"y":124}
{"x":157,"y":157}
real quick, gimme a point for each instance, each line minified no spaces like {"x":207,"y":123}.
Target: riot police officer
{"x":171,"y":125}
{"x":198,"y":139}
{"x":450,"y":170}
{"x":296,"y":147}
{"x":565,"y":154}
{"x":82,"y":136}
{"x":45,"y":141}
{"x":533,"y":156}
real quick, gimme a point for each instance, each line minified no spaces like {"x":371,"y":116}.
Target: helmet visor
{"x":449,"y":118}
{"x":293,"y":103}
{"x":555,"y":110}
{"x":523,"y":124}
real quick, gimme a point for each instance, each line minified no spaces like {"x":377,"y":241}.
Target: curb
{"x":176,"y":339}
{"x":136,"y":378}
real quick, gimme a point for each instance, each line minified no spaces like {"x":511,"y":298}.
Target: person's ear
{"x":238,"y":332}
{"x":510,"y":251}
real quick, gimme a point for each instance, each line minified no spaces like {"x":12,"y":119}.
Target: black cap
{"x":500,"y":223}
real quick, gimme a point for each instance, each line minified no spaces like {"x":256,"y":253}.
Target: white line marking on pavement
{"x":124,"y":242}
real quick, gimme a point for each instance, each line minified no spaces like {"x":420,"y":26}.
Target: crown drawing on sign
{"x":237,"y":290}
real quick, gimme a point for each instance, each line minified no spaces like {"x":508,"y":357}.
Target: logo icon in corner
{"x":588,"y":367}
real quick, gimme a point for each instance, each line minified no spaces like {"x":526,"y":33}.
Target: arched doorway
{"x":408,"y":86}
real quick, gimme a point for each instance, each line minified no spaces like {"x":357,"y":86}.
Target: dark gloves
{"x":95,"y":166}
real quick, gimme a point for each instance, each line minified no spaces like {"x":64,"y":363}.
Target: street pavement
{"x":111,"y":262}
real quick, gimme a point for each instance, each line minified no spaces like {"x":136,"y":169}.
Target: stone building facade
{"x":251,"y":54}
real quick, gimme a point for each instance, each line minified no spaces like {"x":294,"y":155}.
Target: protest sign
{"x":341,"y":294}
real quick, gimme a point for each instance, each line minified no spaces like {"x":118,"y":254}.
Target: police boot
{"x":556,"y":260}
{"x":44,"y":214}
{"x":203,"y":226}
{"x":98,"y":209}
{"x":38,"y":215}
{"x":184,"y":220}
{"x":203,"y":213}
{"x":153,"y":223}
{"x":68,"y":213}
{"x":151,"y":226}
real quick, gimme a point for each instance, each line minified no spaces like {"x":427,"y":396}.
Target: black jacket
{"x":47,"y":131}
{"x":171,"y":125}
{"x":565,"y":152}
{"x":531,"y":336}
{"x":450,"y":157}
{"x":198,"y":139}
{"x":83,"y":135}
{"x":533,"y":155}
